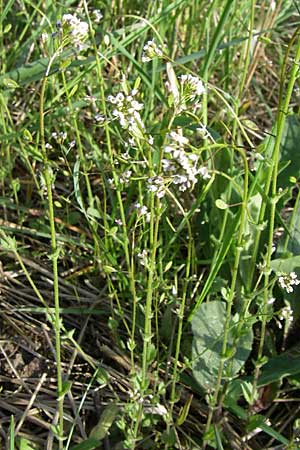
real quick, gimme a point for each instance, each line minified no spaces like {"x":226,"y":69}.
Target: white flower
{"x":203,"y":171}
{"x":151,"y":50}
{"x":287,"y":281}
{"x":179,"y":138}
{"x":143,"y":257}
{"x":204,"y":133}
{"x":156,"y":185}
{"x":74,"y":28}
{"x":127,"y":112}
{"x":97,"y":15}
{"x":286,"y":314}
{"x":99,"y":118}
{"x":191,"y":86}
{"x":142,"y":209}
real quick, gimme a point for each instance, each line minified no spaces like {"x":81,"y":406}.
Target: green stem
{"x":281,"y":118}
{"x":57,"y":320}
{"x":280,"y":122}
{"x":230,"y":299}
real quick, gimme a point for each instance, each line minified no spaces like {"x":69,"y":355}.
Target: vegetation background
{"x":149,"y":229}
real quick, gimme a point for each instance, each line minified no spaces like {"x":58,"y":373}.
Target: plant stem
{"x":273,"y":173}
{"x":230,"y":299}
{"x":57,"y":320}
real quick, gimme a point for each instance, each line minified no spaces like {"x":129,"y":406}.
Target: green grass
{"x":146,"y":264}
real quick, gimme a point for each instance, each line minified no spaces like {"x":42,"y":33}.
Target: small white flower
{"x":204,"y":133}
{"x":191,"y":86}
{"x":151,"y":50}
{"x":99,"y":118}
{"x":143,"y":257}
{"x":179,"y":138}
{"x":97,"y":15}
{"x":203,"y":171}
{"x":286,"y":314}
{"x":287,"y":281}
{"x":150,"y":140}
{"x":74,"y":28}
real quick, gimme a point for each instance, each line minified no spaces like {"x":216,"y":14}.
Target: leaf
{"x":290,"y":151}
{"x":65,"y":388}
{"x":76,"y":181}
{"x":293,"y":246}
{"x":226,"y":243}
{"x":284,"y":365}
{"x":286,"y":265}
{"x":221,"y":204}
{"x":9,"y":83}
{"x":25,"y":444}
{"x":250,"y":230}
{"x":105,"y":422}
{"x":208,"y":331}
{"x":88,"y":444}
{"x":93,"y":212}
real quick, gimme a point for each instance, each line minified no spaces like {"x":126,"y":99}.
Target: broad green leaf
{"x":293,"y":245}
{"x":290,"y":151}
{"x":88,"y":444}
{"x":208,"y":331}
{"x":284,"y":365}
{"x":244,"y":415}
{"x":105,"y":422}
{"x":286,"y":265}
{"x":226,"y":243}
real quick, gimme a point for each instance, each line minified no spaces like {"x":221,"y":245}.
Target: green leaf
{"x":250,"y":230}
{"x":88,"y":444}
{"x":221,"y":204}
{"x":7,"y":28}
{"x":76,"y":181}
{"x":290,"y":151}
{"x":25,"y":444}
{"x":226,"y":243}
{"x":65,"y":388}
{"x":9,"y":83}
{"x":105,"y":422}
{"x":208,"y":331}
{"x":93,"y":212}
{"x":284,"y":365}
{"x":286,"y":265}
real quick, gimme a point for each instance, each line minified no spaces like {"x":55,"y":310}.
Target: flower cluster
{"x":142,"y":210}
{"x":127,"y":112}
{"x":73,"y":29}
{"x":286,"y":314}
{"x":287,"y":281}
{"x":151,"y":50}
{"x":97,"y":15}
{"x":180,"y":165}
{"x":191,"y":86}
{"x":156,"y":185}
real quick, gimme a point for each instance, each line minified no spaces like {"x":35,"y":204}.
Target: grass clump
{"x":149,"y":231}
